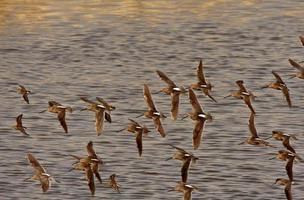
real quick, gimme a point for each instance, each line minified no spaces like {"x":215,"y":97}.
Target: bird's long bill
{"x":139,"y":115}
{"x":185,"y":116}
{"x":268,"y":138}
{"x":120,"y":130}
{"x":42,"y":111}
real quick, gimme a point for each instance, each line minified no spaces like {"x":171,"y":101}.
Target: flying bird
{"x":113,"y":183}
{"x":300,"y":68}
{"x":186,"y":189}
{"x":279,"y":84}
{"x":152,"y":112}
{"x":24,"y":92}
{"x":202,"y":83}
{"x":19,"y":126}
{"x":172,"y":90}
{"x":287,"y":189}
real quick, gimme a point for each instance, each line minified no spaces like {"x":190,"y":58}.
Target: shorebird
{"x":300,"y":68}
{"x":287,"y":184}
{"x":22,"y":90}
{"x":254,"y":139}
{"x":289,"y":166}
{"x":243,"y":93}
{"x":19,"y":125}
{"x":172,"y":90}
{"x":202,"y":83}
{"x":186,"y":158}
{"x":282,"y":155}
{"x":99,"y":114}
{"x":39,"y":173}
{"x":91,"y":159}
{"x":55,"y":107}
{"x":279,"y":85}
{"x":199,"y":116}
{"x":113,"y":183}
{"x":280,"y":135}
{"x":152,"y":112}
{"x":184,"y":188}
{"x":108,"y":108}
{"x":135,"y":127}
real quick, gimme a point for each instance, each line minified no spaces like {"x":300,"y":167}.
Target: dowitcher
{"x":92,"y":160}
{"x":280,"y":135}
{"x":254,"y":139}
{"x":39,"y":173}
{"x":283,"y":155}
{"x":108,"y":108}
{"x":152,"y":112}
{"x":113,"y":183}
{"x":99,"y":113}
{"x":186,"y":158}
{"x":202,"y":83}
{"x":55,"y":107}
{"x":19,"y":125}
{"x":172,"y":90}
{"x":185,"y":188}
{"x":287,"y":189}
{"x":244,"y":94}
{"x":289,"y":166}
{"x":200,"y":117}
{"x":279,"y":85}
{"x":300,"y":68}
{"x":139,"y":130}
{"x":22,"y":90}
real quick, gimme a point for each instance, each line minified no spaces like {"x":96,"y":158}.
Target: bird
{"x":186,"y":158}
{"x":300,"y":68}
{"x":279,"y":84}
{"x":199,"y":116}
{"x":135,"y":127}
{"x":253,"y":138}
{"x":286,"y":144}
{"x":22,"y":90}
{"x":55,"y":107}
{"x":282,"y":155}
{"x":91,"y":159}
{"x":152,"y":112}
{"x":172,"y":90}
{"x":289,"y":166}
{"x":99,"y":113}
{"x":108,"y":108}
{"x":39,"y":173}
{"x":287,"y":184}
{"x":243,"y":94}
{"x":280,"y":135}
{"x":202,"y":83}
{"x":19,"y":125}
{"x":113,"y":183}
{"x":302,"y":40}
{"x":184,"y":188}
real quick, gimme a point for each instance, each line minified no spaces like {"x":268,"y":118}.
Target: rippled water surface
{"x":62,"y":50}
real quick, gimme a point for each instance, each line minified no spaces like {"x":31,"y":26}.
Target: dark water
{"x":61,"y":50}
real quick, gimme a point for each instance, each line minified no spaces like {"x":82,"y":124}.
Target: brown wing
{"x":174,"y":105}
{"x":252,"y":129}
{"x":287,"y":96}
{"x":91,"y":151}
{"x":108,"y":117}
{"x":287,"y":189}
{"x":19,"y":120}
{"x":200,"y":73}
{"x":240,"y":83}
{"x":287,"y":145}
{"x":54,"y":103}
{"x":45,"y":182}
{"x":247,"y":101}
{"x":289,"y":167}
{"x":104,"y":103}
{"x":25,"y":97}
{"x":185,"y":169}
{"x":90,"y":179}
{"x":187,"y":195}
{"x":134,"y":122}
{"x":139,"y":142}
{"x":302,"y":40}
{"x":179,"y":149}
{"x":158,"y":126}
{"x":99,"y":118}
{"x":197,"y":133}
{"x":95,"y":169}
{"x":61,"y":118}
{"x":165,"y":78}
{"x":296,"y":65}
{"x":148,"y":98}
{"x":278,"y":78}
{"x":196,"y":107}
{"x":35,"y":164}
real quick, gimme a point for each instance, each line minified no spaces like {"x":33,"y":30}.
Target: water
{"x":62,"y":50}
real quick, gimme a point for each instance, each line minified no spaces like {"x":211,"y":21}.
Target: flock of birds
{"x":92,"y":163}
